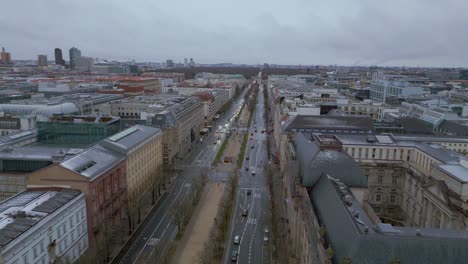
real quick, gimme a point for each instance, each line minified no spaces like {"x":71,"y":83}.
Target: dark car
{"x":249,"y":192}
{"x":255,"y":130}
{"x":252,"y":147}
{"x":247,"y":158}
{"x":234,"y":255}
{"x":246,"y":168}
{"x":244,"y":213}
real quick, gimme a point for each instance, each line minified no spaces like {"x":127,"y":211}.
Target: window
{"x":393,"y":190}
{"x":378,"y":197}
{"x":394,"y":179}
{"x":392,"y":198}
{"x":379,"y":179}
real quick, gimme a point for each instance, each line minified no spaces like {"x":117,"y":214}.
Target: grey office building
{"x":74,"y":55}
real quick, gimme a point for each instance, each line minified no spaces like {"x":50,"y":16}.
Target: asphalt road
{"x":210,"y":149}
{"x":251,"y":228}
{"x":156,"y":236}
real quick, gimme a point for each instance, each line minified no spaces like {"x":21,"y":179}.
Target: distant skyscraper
{"x":192,"y":62}
{"x":41,"y":60}
{"x":6,"y":57}
{"x":58,"y":57}
{"x":169,"y":63}
{"x":185,"y":62}
{"x":75,"y":54}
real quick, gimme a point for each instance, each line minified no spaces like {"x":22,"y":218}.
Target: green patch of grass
{"x":221,"y":151}
{"x":240,"y":159}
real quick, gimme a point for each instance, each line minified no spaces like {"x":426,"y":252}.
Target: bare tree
{"x":129,"y":212}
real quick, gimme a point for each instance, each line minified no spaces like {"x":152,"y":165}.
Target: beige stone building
{"x":143,"y":147}
{"x":413,"y":184}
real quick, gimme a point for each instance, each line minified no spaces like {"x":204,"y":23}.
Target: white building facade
{"x":35,"y":227}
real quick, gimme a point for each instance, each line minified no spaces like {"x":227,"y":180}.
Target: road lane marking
{"x":245,"y":227}
{"x":162,"y":234}
{"x":162,"y":219}
{"x":142,"y":233}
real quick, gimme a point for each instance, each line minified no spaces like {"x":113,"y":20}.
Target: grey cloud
{"x":418,"y":32}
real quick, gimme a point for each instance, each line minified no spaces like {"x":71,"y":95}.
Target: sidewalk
{"x":199,"y":228}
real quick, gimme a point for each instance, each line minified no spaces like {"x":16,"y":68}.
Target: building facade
{"x":13,"y":124}
{"x":381,"y":89}
{"x":142,"y":147}
{"x":16,"y":163}
{"x":43,"y":226}
{"x":100,"y":174}
{"x":5,"y":57}
{"x":413,"y":184}
{"x":59,"y":57}
{"x":74,"y":55}
{"x":84,"y":64}
{"x":42,"y":60}
{"x":76,"y":130}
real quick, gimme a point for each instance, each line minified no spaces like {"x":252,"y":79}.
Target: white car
{"x":253,"y":172}
{"x":236,"y":240}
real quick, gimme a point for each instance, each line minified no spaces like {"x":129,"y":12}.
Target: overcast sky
{"x":345,"y":32}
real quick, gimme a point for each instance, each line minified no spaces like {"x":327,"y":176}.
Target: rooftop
{"x":315,"y":160}
{"x":126,"y":79}
{"x":352,"y":234}
{"x":21,"y":212}
{"x":14,"y":138}
{"x":37,"y":153}
{"x":84,"y":119}
{"x":125,"y":141}
{"x":93,"y":162}
{"x":299,"y":122}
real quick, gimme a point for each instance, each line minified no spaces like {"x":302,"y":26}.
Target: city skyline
{"x":422,"y":33}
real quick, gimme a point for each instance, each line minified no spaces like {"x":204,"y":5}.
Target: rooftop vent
{"x":343,"y":190}
{"x":371,"y":139}
{"x":356,"y":214}
{"x":21,"y":214}
{"x":348,"y":200}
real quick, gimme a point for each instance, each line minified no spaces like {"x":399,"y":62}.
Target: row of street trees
{"x":180,"y":214}
{"x":214,"y":248}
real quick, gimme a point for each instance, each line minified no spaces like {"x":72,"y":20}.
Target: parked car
{"x":236,"y":240}
{"x":245,"y":212}
{"x":234,"y":255}
{"x":247,"y":158}
{"x":252,"y":147}
{"x":249,"y":192}
{"x":265,"y":239}
{"x":253,"y":172}
{"x":247,"y":168}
